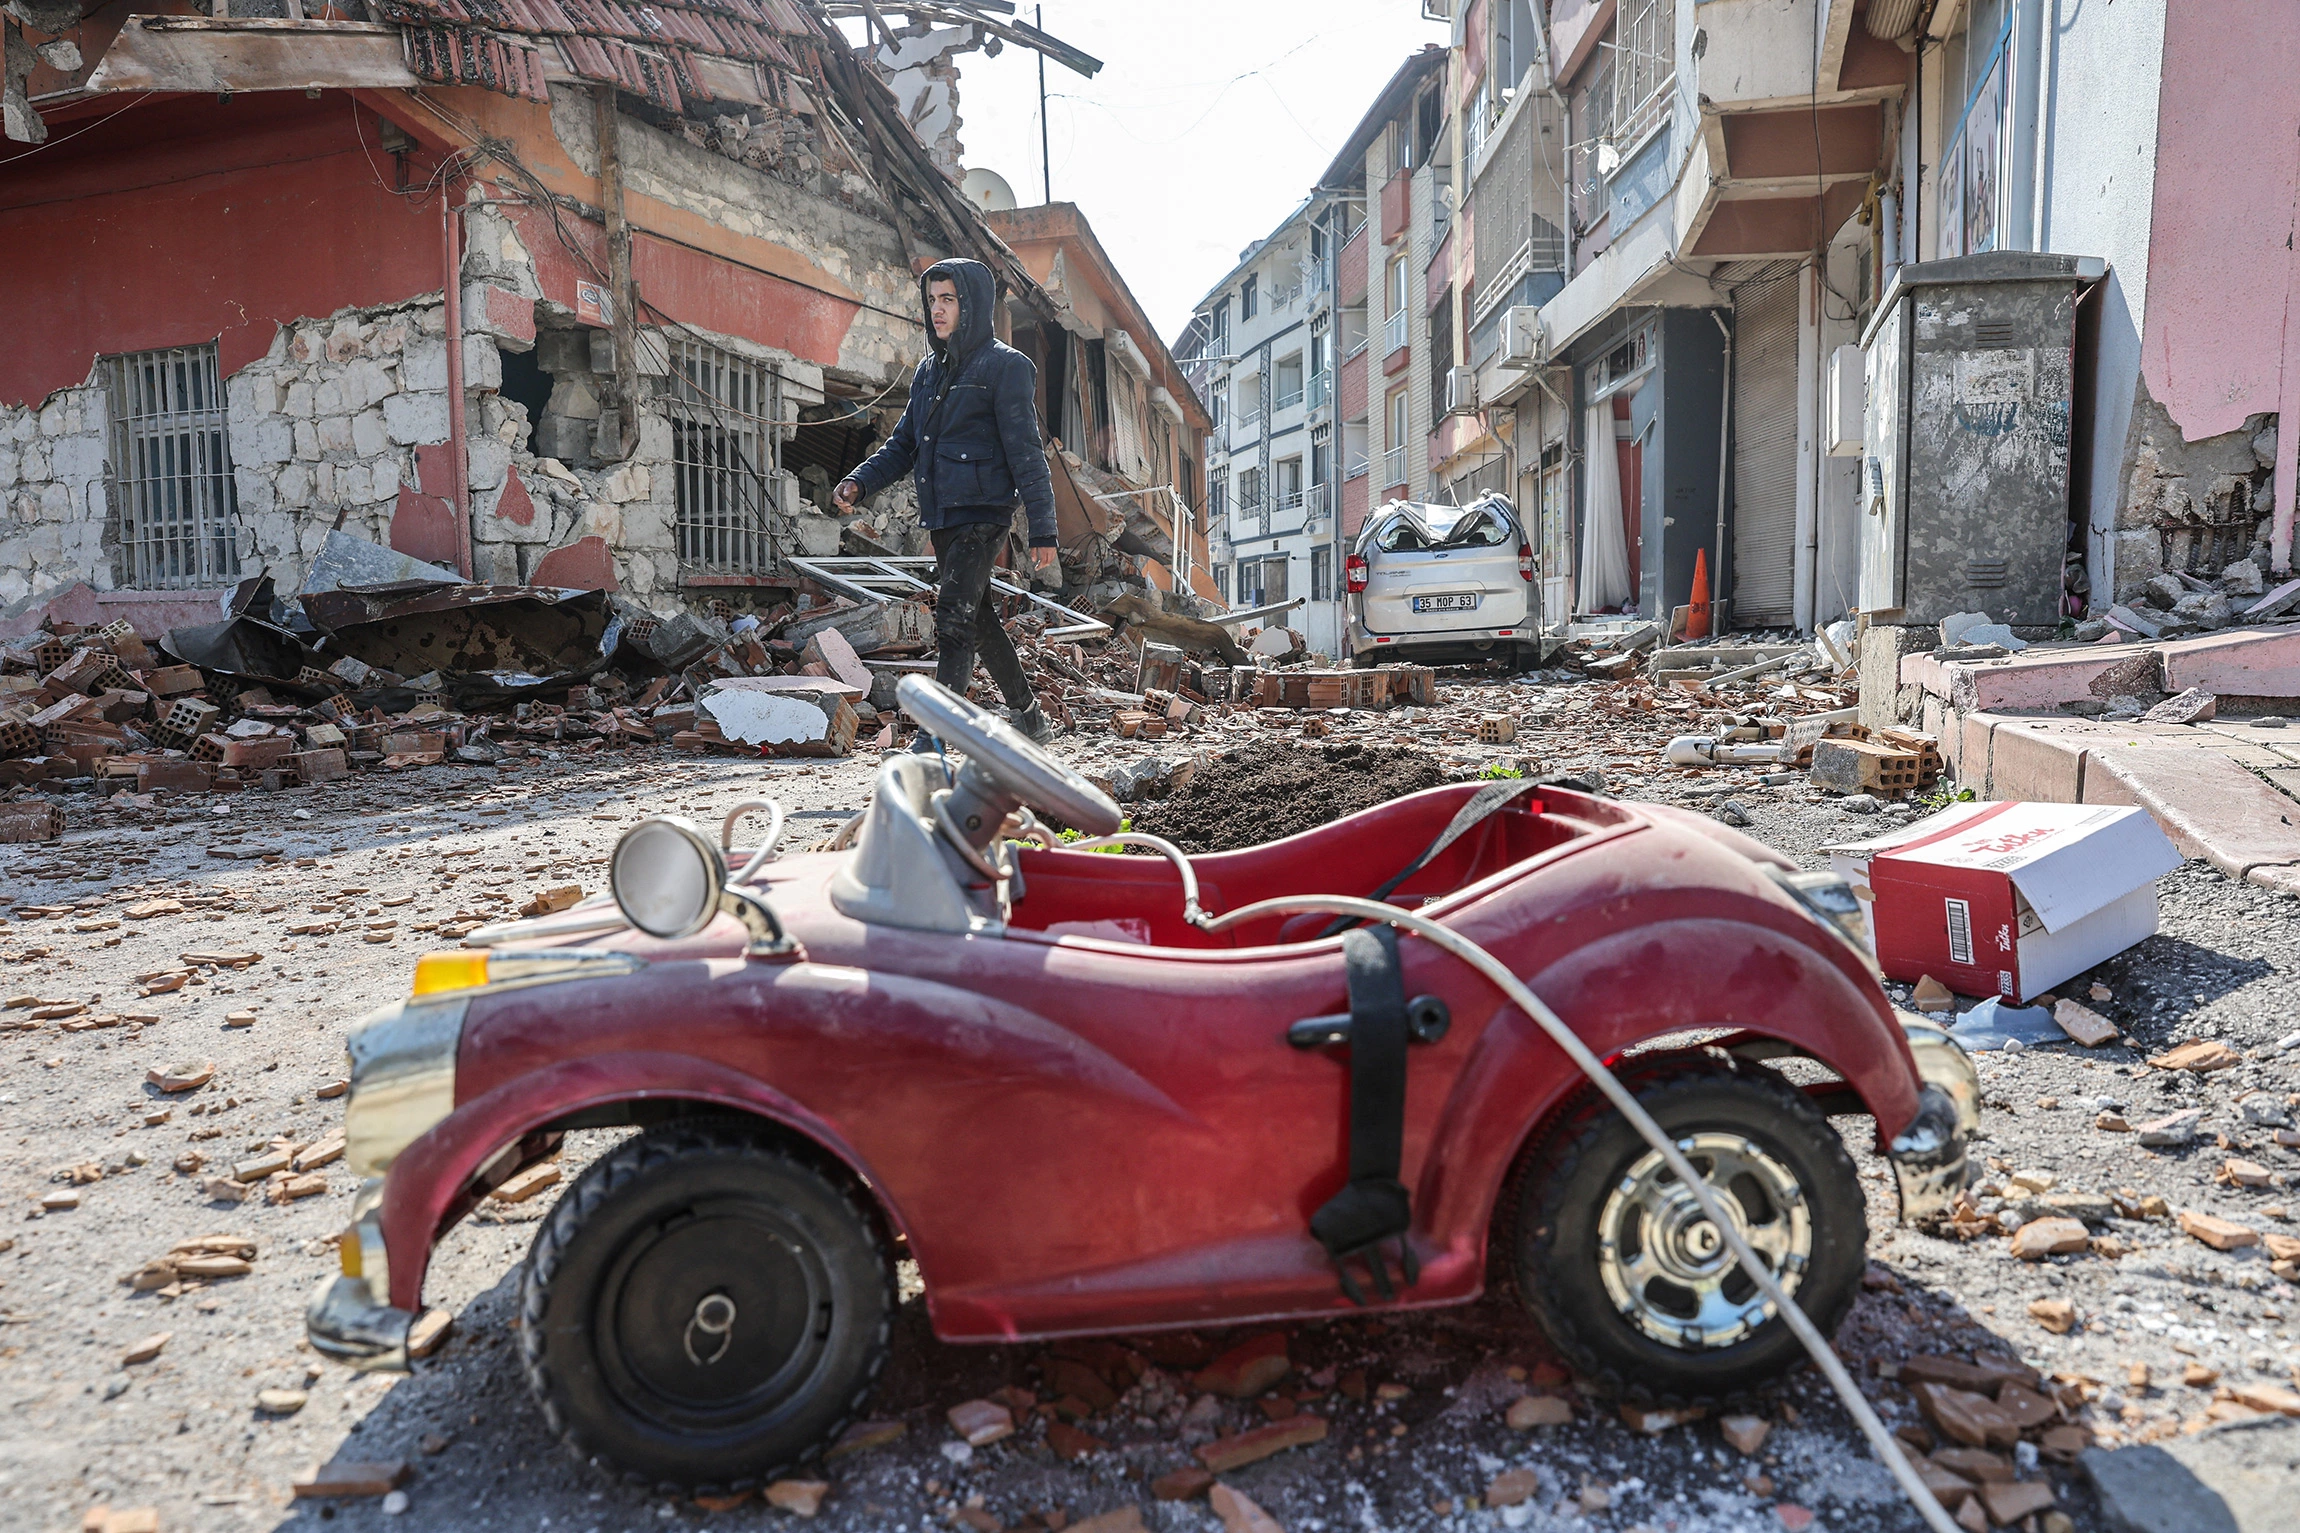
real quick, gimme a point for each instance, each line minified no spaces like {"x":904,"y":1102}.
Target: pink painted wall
{"x":2221,"y":257}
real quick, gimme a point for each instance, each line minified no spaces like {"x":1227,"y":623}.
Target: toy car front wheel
{"x":702,"y":1310}
{"x":1637,"y":1288}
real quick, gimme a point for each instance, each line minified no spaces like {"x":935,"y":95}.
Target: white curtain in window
{"x":1604,"y":553}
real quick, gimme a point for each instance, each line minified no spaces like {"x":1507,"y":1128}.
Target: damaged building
{"x":588,"y":297}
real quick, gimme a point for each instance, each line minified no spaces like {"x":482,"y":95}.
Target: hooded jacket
{"x":969,"y":436}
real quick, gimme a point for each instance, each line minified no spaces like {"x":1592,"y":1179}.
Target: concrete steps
{"x":2227,"y":791}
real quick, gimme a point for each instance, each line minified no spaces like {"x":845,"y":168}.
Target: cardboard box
{"x":2008,"y":899}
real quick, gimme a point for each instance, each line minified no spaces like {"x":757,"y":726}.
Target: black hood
{"x":977,"y":306}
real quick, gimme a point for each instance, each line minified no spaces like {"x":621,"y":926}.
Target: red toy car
{"x":1079,"y":1111}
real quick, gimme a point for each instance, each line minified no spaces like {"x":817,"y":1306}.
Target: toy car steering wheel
{"x":1011,"y":761}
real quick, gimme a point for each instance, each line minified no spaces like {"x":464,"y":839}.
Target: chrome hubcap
{"x":1668,"y":1269}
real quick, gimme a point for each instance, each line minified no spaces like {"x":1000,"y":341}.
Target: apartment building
{"x":1263,"y":347}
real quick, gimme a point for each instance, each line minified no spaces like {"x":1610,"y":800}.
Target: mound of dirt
{"x":1269,"y":791}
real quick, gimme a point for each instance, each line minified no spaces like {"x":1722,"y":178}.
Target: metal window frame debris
{"x":880,"y":578}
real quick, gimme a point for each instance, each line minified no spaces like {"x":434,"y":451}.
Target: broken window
{"x":723,"y":436}
{"x":175,"y":506}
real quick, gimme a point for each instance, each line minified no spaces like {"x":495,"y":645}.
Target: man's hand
{"x":847,"y":494}
{"x":1045,"y":558}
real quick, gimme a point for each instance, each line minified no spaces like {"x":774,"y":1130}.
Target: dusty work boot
{"x":1033,"y":722}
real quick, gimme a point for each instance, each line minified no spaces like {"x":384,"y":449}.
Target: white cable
{"x":1629,"y":1107}
{"x":1166,"y":849}
{"x":766,"y":851}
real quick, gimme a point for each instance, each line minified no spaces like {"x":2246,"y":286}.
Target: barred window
{"x":1646,"y":68}
{"x":723,"y":439}
{"x":176,"y":508}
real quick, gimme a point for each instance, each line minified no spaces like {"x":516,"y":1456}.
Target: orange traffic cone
{"x":1697,"y":614}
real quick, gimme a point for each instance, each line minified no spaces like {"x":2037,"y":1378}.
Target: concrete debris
{"x":2083,"y":1024}
{"x":2194,"y":706}
{"x":2170,"y":1131}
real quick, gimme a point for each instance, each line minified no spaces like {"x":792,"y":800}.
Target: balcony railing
{"x":1321,"y":388}
{"x":1316,"y":503}
{"x":1289,"y":398}
{"x":1394,"y":466}
{"x":1290,"y":500}
{"x":1356,"y":467}
{"x":1394,"y":331}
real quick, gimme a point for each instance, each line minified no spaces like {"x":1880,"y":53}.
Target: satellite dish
{"x":987,"y":189}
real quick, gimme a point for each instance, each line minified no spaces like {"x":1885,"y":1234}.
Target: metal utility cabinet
{"x":1965,"y":470}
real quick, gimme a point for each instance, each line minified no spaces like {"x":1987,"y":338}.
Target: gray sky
{"x":1205,"y":127}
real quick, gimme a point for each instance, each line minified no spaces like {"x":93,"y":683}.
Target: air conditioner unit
{"x":1460,"y":390}
{"x":1521,"y":337}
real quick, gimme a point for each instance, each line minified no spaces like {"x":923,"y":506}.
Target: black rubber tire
{"x":638,"y":1245}
{"x":1561,"y":1192}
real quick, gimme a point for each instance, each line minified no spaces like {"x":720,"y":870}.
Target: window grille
{"x":1645,"y":69}
{"x":177,"y":504}
{"x":722,"y":409}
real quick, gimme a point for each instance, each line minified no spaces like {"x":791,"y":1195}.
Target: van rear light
{"x":1354,"y":572}
{"x":1524,"y":561}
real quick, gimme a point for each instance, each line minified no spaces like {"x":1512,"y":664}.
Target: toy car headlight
{"x":667,"y":878}
{"x":402,"y":1079}
{"x":1829,"y":900}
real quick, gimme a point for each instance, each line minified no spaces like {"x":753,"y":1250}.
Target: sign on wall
{"x":1972,"y":171}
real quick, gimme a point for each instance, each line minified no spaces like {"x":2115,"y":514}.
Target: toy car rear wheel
{"x":1637,"y":1288}
{"x":703,"y":1310}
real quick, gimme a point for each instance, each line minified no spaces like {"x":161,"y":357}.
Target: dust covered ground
{"x":1415,"y":1406}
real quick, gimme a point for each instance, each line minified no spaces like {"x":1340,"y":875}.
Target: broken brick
{"x":980,"y":1422}
{"x":1247,"y":1369}
{"x":1228,"y":1453}
{"x":1527,"y":1412}
{"x":352,"y":1477}
{"x":2220,"y":1234}
{"x":1512,"y":1487}
{"x":801,"y":1498}
{"x":1184,"y":1484}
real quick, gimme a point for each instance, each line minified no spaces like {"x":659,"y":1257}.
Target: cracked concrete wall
{"x":832,"y":222}
{"x":2195,"y":506}
{"x":52,"y":458}
{"x":323,"y":430}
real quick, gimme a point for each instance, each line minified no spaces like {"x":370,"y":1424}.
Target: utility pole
{"x":1045,"y":161}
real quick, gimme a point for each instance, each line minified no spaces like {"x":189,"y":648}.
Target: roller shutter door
{"x":1765,"y":454}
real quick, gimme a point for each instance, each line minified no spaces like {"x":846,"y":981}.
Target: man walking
{"x":969,"y":439}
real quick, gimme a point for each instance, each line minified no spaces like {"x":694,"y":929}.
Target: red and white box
{"x":2008,"y":899}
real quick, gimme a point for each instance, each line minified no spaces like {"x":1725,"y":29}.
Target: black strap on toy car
{"x":1482,"y":805}
{"x":1373,"y":1205}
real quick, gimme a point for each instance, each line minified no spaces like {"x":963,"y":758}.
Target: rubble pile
{"x":418,"y":671}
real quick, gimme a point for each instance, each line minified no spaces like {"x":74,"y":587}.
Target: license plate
{"x":1461,"y":602}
